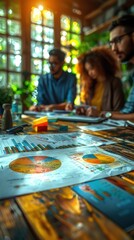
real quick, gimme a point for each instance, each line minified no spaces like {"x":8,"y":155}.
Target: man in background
{"x":57,"y":89}
{"x":122,"y":43}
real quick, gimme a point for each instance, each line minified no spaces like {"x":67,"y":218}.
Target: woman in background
{"x":101,"y":87}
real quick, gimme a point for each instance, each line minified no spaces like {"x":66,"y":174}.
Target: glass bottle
{"x":7,"y":117}
{"x":16,"y":108}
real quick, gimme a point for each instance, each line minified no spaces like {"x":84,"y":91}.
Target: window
{"x":27,"y":34}
{"x":10,"y":43}
{"x":42,"y":40}
{"x":70,"y":40}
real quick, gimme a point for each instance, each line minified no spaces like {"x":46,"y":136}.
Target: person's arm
{"x":81,"y":111}
{"x":41,"y":93}
{"x":118,"y":98}
{"x":92,"y":112}
{"x":122,"y":116}
{"x":34,"y":108}
{"x":129,"y":105}
{"x":119,"y":115}
{"x":127,"y":112}
{"x":42,"y":90}
{"x":118,"y":95}
{"x":69,"y":106}
{"x":50,"y":107}
{"x":71,"y":95}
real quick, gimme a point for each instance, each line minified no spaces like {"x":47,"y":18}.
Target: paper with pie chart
{"x":35,"y":164}
{"x":42,"y":170}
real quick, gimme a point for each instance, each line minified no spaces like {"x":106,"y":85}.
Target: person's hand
{"x":35,"y":108}
{"x":48,"y":107}
{"x":42,"y":108}
{"x":69,"y":107}
{"x":102,"y":114}
{"x":92,"y":112}
{"x":81,"y":111}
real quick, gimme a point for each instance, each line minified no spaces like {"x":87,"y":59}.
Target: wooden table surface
{"x":61,"y":213}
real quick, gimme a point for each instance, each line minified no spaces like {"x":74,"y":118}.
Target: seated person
{"x":57,"y":89}
{"x":122,"y":44}
{"x":127,"y":112}
{"x":101,"y":86}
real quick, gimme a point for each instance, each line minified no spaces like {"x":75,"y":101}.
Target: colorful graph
{"x":98,"y":158}
{"x":35,"y":164}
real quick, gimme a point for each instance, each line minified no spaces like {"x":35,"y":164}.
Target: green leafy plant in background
{"x":6,"y":96}
{"x":90,"y":41}
{"x":27,"y":92}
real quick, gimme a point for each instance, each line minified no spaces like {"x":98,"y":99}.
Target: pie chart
{"x":98,"y":158}
{"x":35,"y":164}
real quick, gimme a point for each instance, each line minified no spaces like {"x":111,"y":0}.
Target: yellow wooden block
{"x":40,"y":120}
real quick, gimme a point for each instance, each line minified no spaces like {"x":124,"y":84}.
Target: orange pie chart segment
{"x":98,"y":158}
{"x":35,"y":164}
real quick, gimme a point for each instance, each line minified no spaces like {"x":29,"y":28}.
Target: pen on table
{"x":17,"y":129}
{"x":127,"y":179}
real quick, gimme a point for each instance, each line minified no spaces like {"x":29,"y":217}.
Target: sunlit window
{"x":70,"y":40}
{"x":70,"y":37}
{"x":10,"y":42}
{"x":42,"y":40}
{"x":25,"y":41}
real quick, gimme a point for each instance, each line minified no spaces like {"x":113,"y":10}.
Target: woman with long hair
{"x":101,"y":87}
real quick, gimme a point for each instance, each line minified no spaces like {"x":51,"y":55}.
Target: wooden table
{"x":61,"y":213}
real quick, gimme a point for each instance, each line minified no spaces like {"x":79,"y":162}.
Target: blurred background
{"x":30,"y":29}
